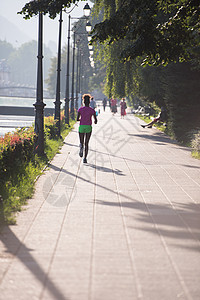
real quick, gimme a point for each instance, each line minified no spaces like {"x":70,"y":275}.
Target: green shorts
{"x":85,"y":128}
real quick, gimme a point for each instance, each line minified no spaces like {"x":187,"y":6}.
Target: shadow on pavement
{"x":14,"y":247}
{"x":106,"y":170}
{"x":73,"y":145}
{"x":189,"y":166}
{"x":86,"y":180}
{"x":161,"y":138}
{"x":182,"y":223}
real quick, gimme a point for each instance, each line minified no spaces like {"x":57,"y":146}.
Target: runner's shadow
{"x":86,"y":180}
{"x":72,"y":145}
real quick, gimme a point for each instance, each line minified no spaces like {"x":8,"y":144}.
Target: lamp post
{"x":39,"y":105}
{"x":72,"y":94}
{"x":67,"y":78}
{"x":77,"y":75}
{"x":58,"y":102}
{"x":80,"y":72}
{"x":86,"y":10}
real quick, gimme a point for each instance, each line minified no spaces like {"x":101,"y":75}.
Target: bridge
{"x":20,"y":91}
{"x":17,"y":87}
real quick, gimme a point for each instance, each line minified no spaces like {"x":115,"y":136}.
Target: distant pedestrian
{"x":162,"y":116}
{"x":123,"y":107}
{"x":104,"y":103}
{"x":93,"y":103}
{"x":109,"y":103}
{"x":113,"y":103}
{"x":85,"y":114}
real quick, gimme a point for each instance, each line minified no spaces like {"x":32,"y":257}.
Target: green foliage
{"x":22,"y":61}
{"x":53,"y":8}
{"x":6,"y":50}
{"x":86,"y":70}
{"x":112,"y":68}
{"x":18,"y":189}
{"x":196,"y":142}
{"x":181,"y":96}
{"x":148,"y":119}
{"x":97,"y":80}
{"x":150,"y":84}
{"x":51,"y":79}
{"x":16,"y":159}
{"x":141,"y":46}
{"x":50,"y":130}
{"x":52,"y":74}
{"x":174,"y":85}
{"x":162,"y":31}
{"x":196,"y":154}
{"x":19,"y":167}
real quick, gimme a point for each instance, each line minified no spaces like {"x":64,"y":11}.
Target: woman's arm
{"x":78,"y":116}
{"x":95,"y":118}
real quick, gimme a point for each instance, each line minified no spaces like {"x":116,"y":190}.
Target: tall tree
{"x":23,"y":63}
{"x":163,"y":31}
{"x":5,"y":50}
{"x":50,"y":7}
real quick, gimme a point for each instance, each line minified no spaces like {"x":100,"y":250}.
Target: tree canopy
{"x":163,"y":30}
{"x":22,"y":61}
{"x":51,"y":7}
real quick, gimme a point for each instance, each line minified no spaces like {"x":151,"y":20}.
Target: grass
{"x":15,"y":192}
{"x":196,"y":154}
{"x":195,"y":143}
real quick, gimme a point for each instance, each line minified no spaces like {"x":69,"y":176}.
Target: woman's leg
{"x":81,"y":137}
{"x":149,"y":124}
{"x":87,"y":138}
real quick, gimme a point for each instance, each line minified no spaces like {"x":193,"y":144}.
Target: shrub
{"x":196,"y":143}
{"x":19,"y":166}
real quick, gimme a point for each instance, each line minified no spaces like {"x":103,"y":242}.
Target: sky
{"x":9,"y":9}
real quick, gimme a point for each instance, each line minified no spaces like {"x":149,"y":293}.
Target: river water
{"x":8,"y":123}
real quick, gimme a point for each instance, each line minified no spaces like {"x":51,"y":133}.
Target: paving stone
{"x":126,"y":225}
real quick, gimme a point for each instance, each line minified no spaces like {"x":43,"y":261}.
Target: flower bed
{"x":19,"y":166}
{"x":15,"y":149}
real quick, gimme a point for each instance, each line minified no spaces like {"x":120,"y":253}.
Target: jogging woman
{"x":85,"y":114}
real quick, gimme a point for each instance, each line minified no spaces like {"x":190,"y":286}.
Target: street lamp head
{"x":89,"y":37}
{"x":88,"y":27}
{"x":91,"y":52}
{"x":86,"y":10}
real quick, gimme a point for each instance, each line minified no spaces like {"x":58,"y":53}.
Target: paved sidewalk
{"x":124,"y":226}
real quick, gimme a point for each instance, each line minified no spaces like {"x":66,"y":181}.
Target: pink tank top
{"x":86,"y":115}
